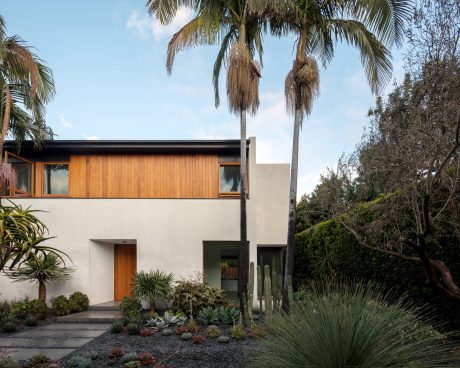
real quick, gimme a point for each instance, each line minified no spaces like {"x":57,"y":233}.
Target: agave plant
{"x":151,"y":285}
{"x":228,"y":315}
{"x":208,"y":316}
{"x":338,"y":326}
{"x":169,"y":319}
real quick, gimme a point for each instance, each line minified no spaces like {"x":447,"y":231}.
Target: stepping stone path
{"x":55,"y":340}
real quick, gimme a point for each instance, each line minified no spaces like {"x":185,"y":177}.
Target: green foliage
{"x":133,"y":329}
{"x":129,"y":357}
{"x":93,"y":355}
{"x":192,"y":325}
{"x":78,"y":302}
{"x":79,"y":361}
{"x":223,"y":339}
{"x":8,"y":362}
{"x":60,"y":305}
{"x":168,"y":319}
{"x":38,"y":360}
{"x":186,"y":336}
{"x":132,"y":364}
{"x":24,"y":308}
{"x":228,"y":315}
{"x":38,"y":309}
{"x":130,"y":307}
{"x":151,"y":285}
{"x":213,"y":331}
{"x":208,"y":316}
{"x":350,"y":325}
{"x":191,"y":296}
{"x":9,"y":327}
{"x":237,"y":331}
{"x":167,"y":332}
{"x":116,"y":327}
{"x":330,"y":249}
{"x":31,"y":322}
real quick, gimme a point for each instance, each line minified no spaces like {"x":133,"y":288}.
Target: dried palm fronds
{"x":302,"y":85}
{"x":242,"y":80}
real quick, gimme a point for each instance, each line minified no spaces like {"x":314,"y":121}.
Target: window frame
{"x":228,"y":194}
{"x":22,"y":193}
{"x":43,"y":179}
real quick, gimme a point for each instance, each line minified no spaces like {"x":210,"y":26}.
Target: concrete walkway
{"x":55,"y":340}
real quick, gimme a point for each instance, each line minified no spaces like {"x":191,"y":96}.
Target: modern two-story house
{"x":120,"y":206}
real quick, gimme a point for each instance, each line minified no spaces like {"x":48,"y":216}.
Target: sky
{"x":108,"y":59}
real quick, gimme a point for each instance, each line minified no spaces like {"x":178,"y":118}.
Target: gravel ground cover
{"x":170,"y":351}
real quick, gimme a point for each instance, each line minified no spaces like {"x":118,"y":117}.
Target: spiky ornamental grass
{"x":339,"y":326}
{"x":151,"y":285}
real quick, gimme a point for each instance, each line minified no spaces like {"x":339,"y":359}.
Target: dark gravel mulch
{"x":171,"y":351}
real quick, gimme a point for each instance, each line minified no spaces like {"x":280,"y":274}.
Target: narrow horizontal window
{"x":56,"y":179}
{"x":230,"y":178}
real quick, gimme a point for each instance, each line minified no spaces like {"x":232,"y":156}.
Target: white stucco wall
{"x":169,"y":233}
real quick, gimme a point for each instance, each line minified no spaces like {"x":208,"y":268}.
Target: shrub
{"x":213,"y":331}
{"x":237,"y":331}
{"x":145,"y":332}
{"x":116,"y":327}
{"x":38,"y":309}
{"x":129,"y":357}
{"x":5,"y":310}
{"x":340,"y":325}
{"x":9,"y":327}
{"x":198,"y":339}
{"x":78,"y":302}
{"x":8,"y":362}
{"x":37,"y":360}
{"x":130,"y":307}
{"x":31,"y":322}
{"x":133,"y":329}
{"x":21,"y":309}
{"x":116,"y":353}
{"x":191,"y":296}
{"x":79,"y":361}
{"x":60,"y":305}
{"x":192,"y":326}
{"x":146,"y":359}
{"x":151,"y":285}
{"x":208,"y":316}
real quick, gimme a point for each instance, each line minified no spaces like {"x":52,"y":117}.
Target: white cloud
{"x":65,"y":123}
{"x":91,"y":137}
{"x":146,"y":27}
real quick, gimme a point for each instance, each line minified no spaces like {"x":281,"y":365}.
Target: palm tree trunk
{"x":244,"y":244}
{"x":42,"y":291}
{"x":6,"y":121}
{"x":289,"y":269}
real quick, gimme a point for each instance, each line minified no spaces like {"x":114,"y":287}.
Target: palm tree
{"x":370,"y":26}
{"x":43,"y":269}
{"x":149,"y":286}
{"x":236,"y":26}
{"x":26,"y":85}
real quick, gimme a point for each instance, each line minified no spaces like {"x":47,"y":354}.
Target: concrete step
{"x":92,"y":316}
{"x":106,"y":306}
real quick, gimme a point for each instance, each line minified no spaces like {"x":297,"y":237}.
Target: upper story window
{"x":56,"y":178}
{"x":24,"y":175}
{"x":229,"y":179}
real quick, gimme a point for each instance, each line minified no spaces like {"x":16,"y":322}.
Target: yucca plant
{"x":42,"y":269}
{"x":151,"y":285}
{"x":339,"y":326}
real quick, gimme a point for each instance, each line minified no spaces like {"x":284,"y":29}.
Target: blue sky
{"x":108,"y":60}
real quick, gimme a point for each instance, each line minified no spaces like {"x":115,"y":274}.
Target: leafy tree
{"x":236,"y":26}
{"x":42,"y":269}
{"x":21,"y":237}
{"x":370,"y":26}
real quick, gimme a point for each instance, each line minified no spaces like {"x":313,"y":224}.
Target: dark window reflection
{"x":230,"y":179}
{"x":56,"y":179}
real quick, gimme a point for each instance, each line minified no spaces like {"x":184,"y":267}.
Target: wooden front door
{"x":124,"y":269}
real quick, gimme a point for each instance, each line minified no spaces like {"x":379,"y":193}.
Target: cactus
{"x":250,"y":290}
{"x":275,"y":292}
{"x":259,"y":287}
{"x":268,"y":294}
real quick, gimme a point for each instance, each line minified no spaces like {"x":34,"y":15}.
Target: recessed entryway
{"x":125,"y":264}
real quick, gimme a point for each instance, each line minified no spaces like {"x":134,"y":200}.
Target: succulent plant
{"x":223,"y":339}
{"x":212,"y":331}
{"x":116,"y":353}
{"x":181,"y":329}
{"x":38,"y":360}
{"x":227,"y":315}
{"x":132,"y":364}
{"x":145,"y":332}
{"x":198,"y":339}
{"x":93,"y":355}
{"x":8,"y":362}
{"x":167,"y":332}
{"x":146,"y":359}
{"x":169,"y":319}
{"x":129,"y":357}
{"x":116,"y":327}
{"x":9,"y":327}
{"x":133,"y":329}
{"x":238,"y":332}
{"x":79,"y":361}
{"x":186,"y":336}
{"x":208,"y":316}
{"x":192,"y":326}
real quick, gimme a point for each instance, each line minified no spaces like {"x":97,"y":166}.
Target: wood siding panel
{"x":144,"y":176}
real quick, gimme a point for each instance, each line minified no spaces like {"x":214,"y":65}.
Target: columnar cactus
{"x":259,"y":287}
{"x":268,"y":294}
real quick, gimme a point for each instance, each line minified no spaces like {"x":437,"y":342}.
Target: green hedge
{"x":329,"y":249}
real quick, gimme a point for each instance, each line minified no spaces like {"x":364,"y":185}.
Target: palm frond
{"x":166,"y":10}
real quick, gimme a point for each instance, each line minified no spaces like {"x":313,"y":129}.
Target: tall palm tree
{"x":26,"y":85}
{"x":370,"y":26}
{"x":236,"y":26}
